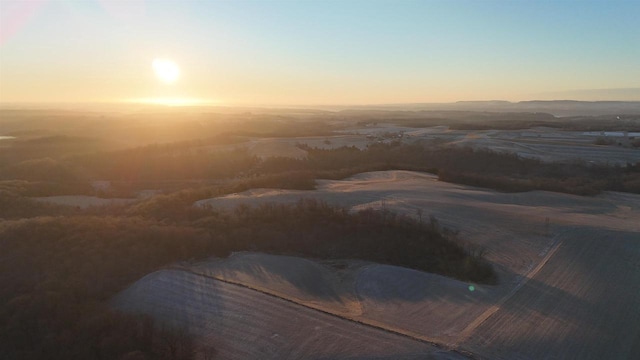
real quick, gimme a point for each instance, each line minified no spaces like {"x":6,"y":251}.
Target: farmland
{"x":553,"y":288}
{"x":319,"y":234}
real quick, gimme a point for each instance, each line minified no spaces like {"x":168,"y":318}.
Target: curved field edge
{"x":312,"y":228}
{"x":424,"y":306}
{"x":217,"y":310}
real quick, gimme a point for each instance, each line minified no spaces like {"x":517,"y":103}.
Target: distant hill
{"x":555,"y":107}
{"x":572,"y":108}
{"x":559,"y":108}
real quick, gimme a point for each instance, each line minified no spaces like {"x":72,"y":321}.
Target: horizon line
{"x":204,"y":103}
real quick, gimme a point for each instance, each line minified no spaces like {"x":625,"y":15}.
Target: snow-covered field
{"x":567,"y":290}
{"x":241,"y":323}
{"x":545,"y":144}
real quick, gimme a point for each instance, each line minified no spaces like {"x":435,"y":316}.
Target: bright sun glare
{"x":166,"y":70}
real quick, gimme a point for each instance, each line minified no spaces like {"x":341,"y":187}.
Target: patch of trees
{"x":32,"y":146}
{"x":13,"y":206}
{"x":42,"y":169}
{"x":178,"y":206}
{"x":149,"y":164}
{"x":573,"y":123}
{"x":314,"y":229}
{"x":464,"y":120}
{"x":483,"y":168}
{"x":57,"y":274}
{"x":508,"y":172}
{"x":280,"y":126}
{"x":173,"y":168}
{"x":44,"y":177}
{"x":517,"y":121}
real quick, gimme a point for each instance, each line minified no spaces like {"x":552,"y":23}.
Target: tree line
{"x":58,"y":273}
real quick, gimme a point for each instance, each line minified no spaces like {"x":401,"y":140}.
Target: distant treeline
{"x":61,"y":138}
{"x":467,"y":120}
{"x":483,"y":168}
{"x":58,"y":273}
{"x":461,"y":120}
{"x":629,"y":123}
{"x":53,"y":157}
{"x":173,"y":167}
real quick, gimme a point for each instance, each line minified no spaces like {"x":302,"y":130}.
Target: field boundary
{"x":454,"y":347}
{"x":550,"y":251}
{"x":364,"y":322}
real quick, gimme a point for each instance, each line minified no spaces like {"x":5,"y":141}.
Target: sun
{"x":166,"y":70}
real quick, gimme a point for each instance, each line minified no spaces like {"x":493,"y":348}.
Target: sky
{"x":327,"y":52}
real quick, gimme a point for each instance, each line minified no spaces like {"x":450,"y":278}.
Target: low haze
{"x":310,"y":53}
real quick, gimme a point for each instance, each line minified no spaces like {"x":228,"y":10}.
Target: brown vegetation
{"x":58,"y":272}
{"x":503,"y":172}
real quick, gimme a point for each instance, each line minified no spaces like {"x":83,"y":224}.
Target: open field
{"x":245,"y":324}
{"x":545,"y":144}
{"x":554,"y":299}
{"x":583,"y":304}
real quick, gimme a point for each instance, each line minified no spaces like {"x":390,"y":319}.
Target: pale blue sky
{"x":319,"y":52}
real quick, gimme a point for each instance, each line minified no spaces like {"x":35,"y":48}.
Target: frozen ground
{"x":567,"y":290}
{"x":539,"y":143}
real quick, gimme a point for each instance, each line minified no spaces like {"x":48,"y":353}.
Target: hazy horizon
{"x":341,"y":53}
{"x":175,"y":103}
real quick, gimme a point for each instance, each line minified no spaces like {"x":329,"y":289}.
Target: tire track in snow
{"x":464,"y":335}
